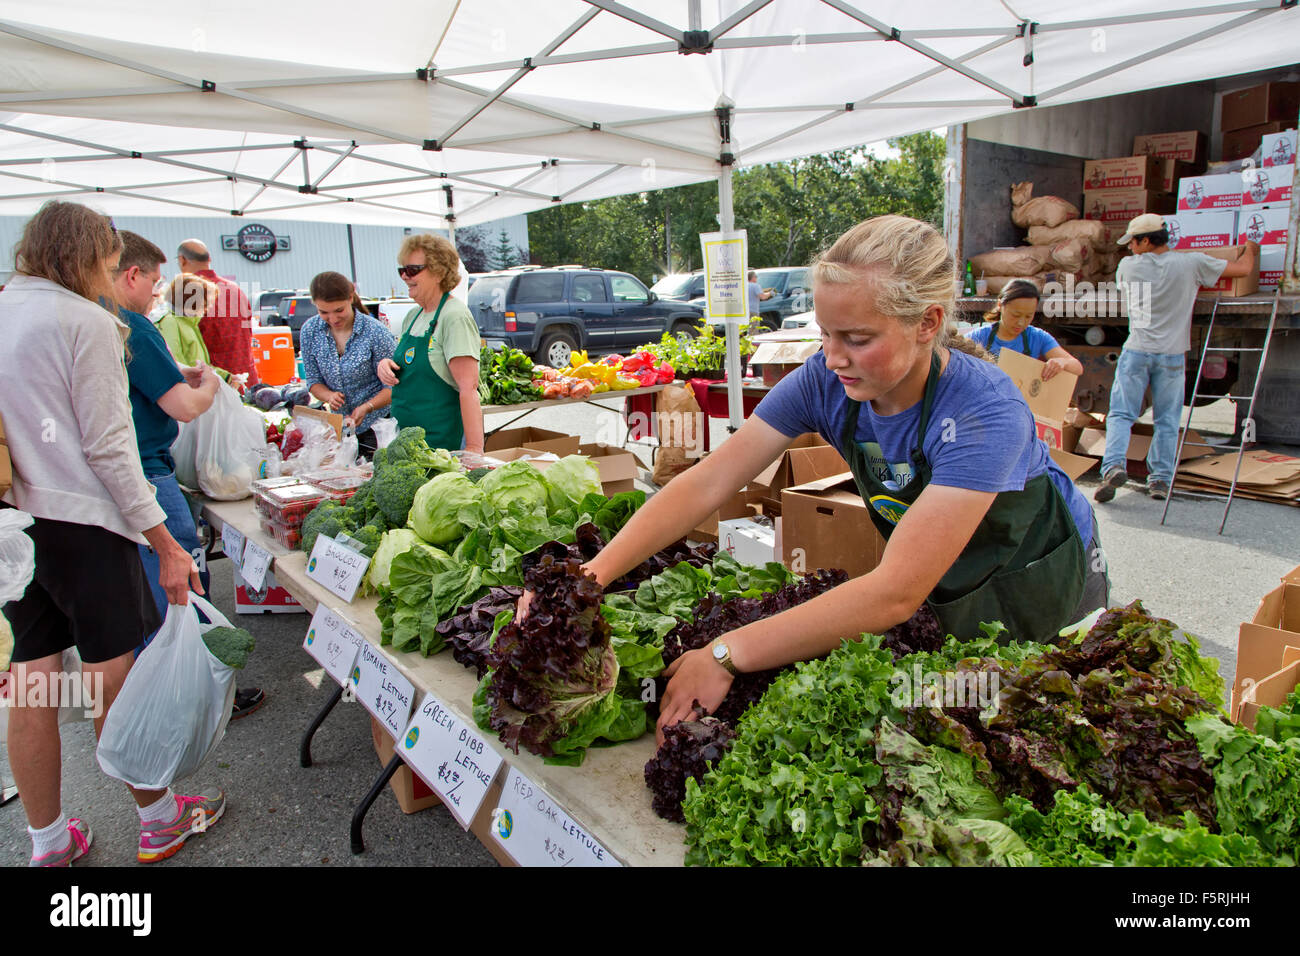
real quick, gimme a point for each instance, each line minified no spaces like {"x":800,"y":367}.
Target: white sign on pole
{"x":333,"y":643}
{"x":232,"y":543}
{"x":382,"y":690}
{"x":256,"y":561}
{"x":725,"y":263}
{"x":535,"y":831}
{"x":337,"y":567}
{"x":452,"y":758}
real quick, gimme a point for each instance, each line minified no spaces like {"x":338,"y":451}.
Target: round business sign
{"x":256,"y":242}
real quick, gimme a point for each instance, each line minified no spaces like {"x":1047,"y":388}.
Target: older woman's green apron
{"x":1025,"y":564}
{"x":421,"y":397}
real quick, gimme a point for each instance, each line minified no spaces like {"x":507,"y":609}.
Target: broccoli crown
{"x":368,"y":536}
{"x":230,"y":645}
{"x":329,"y":518}
{"x":395,"y":488}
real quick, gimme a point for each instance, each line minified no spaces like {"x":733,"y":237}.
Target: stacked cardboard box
{"x":1278,"y":149}
{"x":1267,"y":225}
{"x":1248,"y":115}
{"x":1268,"y":652}
{"x":1265,"y":476}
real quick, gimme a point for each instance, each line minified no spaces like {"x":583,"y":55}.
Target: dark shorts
{"x":89,"y":590}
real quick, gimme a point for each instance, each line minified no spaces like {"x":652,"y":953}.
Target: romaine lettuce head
{"x":435,"y":512}
{"x":571,"y":479}
{"x":515,"y":481}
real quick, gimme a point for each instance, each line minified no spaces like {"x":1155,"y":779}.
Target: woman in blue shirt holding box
{"x":1013,"y":329}
{"x":980,"y":523}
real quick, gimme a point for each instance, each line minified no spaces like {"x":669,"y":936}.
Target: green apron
{"x":1025,"y":564}
{"x":421,"y":397}
{"x":1024,"y":341}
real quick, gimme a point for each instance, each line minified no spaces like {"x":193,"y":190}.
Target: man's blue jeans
{"x":1165,"y":375}
{"x":180,"y":522}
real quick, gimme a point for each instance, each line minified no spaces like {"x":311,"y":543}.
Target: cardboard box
{"x":1092,"y":442}
{"x":1202,"y":230}
{"x":1266,"y":225}
{"x":1125,"y":172}
{"x":750,"y":541}
{"x":807,"y":459}
{"x":1260,"y":652}
{"x":1267,"y":645}
{"x":1241,"y":143}
{"x":1200,"y":193}
{"x":743,"y":504}
{"x":1048,"y":400}
{"x":1292,"y":576}
{"x":1242,"y":285}
{"x":1172,"y":170}
{"x":6,"y":466}
{"x":1278,"y":149}
{"x":271,"y":599}
{"x":413,"y":794}
{"x":1121,"y":205}
{"x":779,"y":359}
{"x":825,"y":524}
{"x":618,"y":467}
{"x":1189,"y":146}
{"x":1270,"y":186}
{"x":1264,"y":103}
{"x":1271,"y":261}
{"x":1272,"y":691}
{"x":538,"y":439}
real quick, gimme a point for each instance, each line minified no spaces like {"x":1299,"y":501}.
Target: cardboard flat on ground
{"x":540,"y":439}
{"x":826,"y":524}
{"x":1291,"y":497}
{"x":606,"y":795}
{"x":1260,"y":468}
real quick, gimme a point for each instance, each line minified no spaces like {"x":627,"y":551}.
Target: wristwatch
{"x":722,"y":655}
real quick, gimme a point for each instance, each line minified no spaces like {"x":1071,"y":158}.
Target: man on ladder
{"x":1159,"y":291}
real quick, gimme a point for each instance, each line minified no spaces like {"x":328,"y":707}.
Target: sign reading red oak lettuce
{"x":536,"y":831}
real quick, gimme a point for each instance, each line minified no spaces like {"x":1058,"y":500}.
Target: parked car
{"x":792,"y":294}
{"x":393,"y":311}
{"x":550,"y":312}
{"x":266,"y":303}
{"x":684,"y":287}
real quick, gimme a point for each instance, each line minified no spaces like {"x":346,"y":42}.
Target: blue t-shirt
{"x":981,"y":433}
{"x":152,"y":373}
{"x":753,"y":290}
{"x":1040,"y":342}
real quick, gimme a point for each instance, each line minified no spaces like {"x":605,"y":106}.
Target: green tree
{"x":504,"y":256}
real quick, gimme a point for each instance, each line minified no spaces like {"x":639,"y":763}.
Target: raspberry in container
{"x":288,"y":506}
{"x":291,"y":538}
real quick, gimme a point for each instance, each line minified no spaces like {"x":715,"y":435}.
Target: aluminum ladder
{"x":1247,"y":428}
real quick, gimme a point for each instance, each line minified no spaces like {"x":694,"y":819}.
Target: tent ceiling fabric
{"x":509,"y":88}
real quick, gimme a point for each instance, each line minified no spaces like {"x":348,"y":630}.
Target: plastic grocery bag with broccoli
{"x":174,"y":706}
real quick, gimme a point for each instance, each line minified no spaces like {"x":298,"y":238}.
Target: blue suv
{"x":550,"y":312}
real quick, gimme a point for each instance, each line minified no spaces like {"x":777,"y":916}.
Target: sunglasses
{"x":410,"y":272}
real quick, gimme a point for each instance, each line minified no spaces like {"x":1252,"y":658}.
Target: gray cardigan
{"x":67,"y":415}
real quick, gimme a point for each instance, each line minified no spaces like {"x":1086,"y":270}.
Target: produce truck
{"x":1048,"y":146}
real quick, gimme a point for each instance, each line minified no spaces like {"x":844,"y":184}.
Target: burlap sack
{"x":680,"y":427}
{"x":998,"y":283}
{"x":1025,"y":260}
{"x":1091,"y":231}
{"x":1042,"y":211}
{"x":1072,"y":255}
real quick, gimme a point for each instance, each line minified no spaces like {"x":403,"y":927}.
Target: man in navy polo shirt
{"x":162,"y":394}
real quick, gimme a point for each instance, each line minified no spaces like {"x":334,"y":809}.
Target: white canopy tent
{"x":363,"y":113}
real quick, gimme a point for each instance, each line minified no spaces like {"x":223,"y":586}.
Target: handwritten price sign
{"x":337,"y":568}
{"x":536,"y":831}
{"x":232,"y":543}
{"x":333,"y":642}
{"x":451,"y":757}
{"x":256,"y":561}
{"x":382,"y":690}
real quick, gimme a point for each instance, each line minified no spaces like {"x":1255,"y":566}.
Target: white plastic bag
{"x":385,"y":430}
{"x":17,"y":554}
{"x":183,"y":455}
{"x":226,"y":436}
{"x":173,"y":708}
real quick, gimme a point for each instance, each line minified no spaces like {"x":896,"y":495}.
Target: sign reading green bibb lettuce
{"x":451,"y":757}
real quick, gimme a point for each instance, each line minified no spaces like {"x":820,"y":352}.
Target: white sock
{"x":51,"y":839}
{"x":161,"y":811}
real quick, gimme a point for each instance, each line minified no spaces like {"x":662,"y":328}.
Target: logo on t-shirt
{"x":894,"y":476}
{"x":891,"y":509}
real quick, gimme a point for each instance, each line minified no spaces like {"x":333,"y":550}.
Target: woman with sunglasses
{"x":434,"y":372}
{"x":342,"y":348}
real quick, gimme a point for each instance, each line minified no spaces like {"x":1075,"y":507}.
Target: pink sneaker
{"x":75,"y":850}
{"x":193,"y":815}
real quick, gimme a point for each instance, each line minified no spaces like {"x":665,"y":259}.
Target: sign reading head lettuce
{"x":255,"y":242}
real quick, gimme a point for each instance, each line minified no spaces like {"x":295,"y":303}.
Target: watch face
{"x":719,"y":651}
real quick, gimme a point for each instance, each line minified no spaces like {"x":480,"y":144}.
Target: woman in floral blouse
{"x":341,"y":347}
